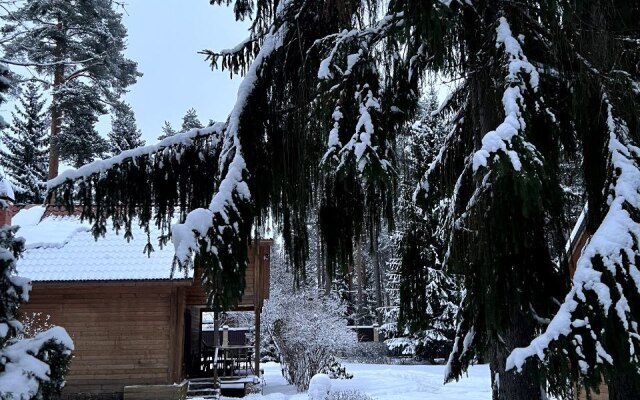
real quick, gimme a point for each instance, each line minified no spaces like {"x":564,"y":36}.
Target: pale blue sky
{"x":164,"y":38}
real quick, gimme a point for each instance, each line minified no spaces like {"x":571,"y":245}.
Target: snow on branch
{"x":521,"y":78}
{"x":346,"y":51}
{"x":360,"y":147}
{"x":200,"y":221}
{"x":611,"y":252}
{"x":185,"y":139}
{"x":365,"y":38}
{"x":25,"y":363}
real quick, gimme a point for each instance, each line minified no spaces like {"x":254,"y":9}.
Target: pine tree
{"x":77,"y":46}
{"x":26,"y":157}
{"x":329,"y":83}
{"x":79,"y":142}
{"x":124,"y":134}
{"x":190,"y":121}
{"x":167,"y":130}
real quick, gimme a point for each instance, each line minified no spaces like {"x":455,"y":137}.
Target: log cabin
{"x":134,"y":320}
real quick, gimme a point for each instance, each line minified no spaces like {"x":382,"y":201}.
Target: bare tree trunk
{"x":54,"y":152}
{"x":360,"y":271}
{"x":319,"y":264}
{"x":327,"y":281}
{"x":378,"y":279}
{"x":349,"y":282}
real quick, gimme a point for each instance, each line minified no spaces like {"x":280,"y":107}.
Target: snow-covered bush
{"x":30,"y":368}
{"x":319,"y":387}
{"x":268,"y":350}
{"x":307,"y":328}
{"x":349,"y":395}
{"x":336,"y":370}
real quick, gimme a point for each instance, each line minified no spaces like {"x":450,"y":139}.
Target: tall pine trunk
{"x":58,"y":80}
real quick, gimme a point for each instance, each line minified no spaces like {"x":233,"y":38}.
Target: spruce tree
{"x":30,"y":368}
{"x":167,"y":130}
{"x":328,"y":85}
{"x":191,"y":121}
{"x":76,"y":46}
{"x":27,"y":146}
{"x":124,"y":134}
{"x":427,"y":296}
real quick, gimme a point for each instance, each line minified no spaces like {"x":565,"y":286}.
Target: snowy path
{"x":389,"y":382}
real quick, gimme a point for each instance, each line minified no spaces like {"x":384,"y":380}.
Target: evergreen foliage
{"x":26,"y":156}
{"x":124,"y":134}
{"x":191,"y":121}
{"x":426,"y":297}
{"x":78,"y":47}
{"x":32,"y":368}
{"x":79,"y":142}
{"x":328,"y":84}
{"x":5,"y":85}
{"x":167,"y":130}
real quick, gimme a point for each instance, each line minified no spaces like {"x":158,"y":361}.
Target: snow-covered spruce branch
{"x":364,"y":38}
{"x":185,"y":139}
{"x":200,"y":222}
{"x":612,"y":252}
{"x":212,"y":187}
{"x":30,"y":368}
{"x":360,"y":147}
{"x":521,"y":78}
{"x":26,"y":363}
{"x":235,"y":59}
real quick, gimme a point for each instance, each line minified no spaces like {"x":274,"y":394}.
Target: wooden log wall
{"x":124,"y":333}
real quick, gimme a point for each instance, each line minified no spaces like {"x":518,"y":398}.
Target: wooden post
{"x":376,"y":333}
{"x":257,"y":303}
{"x":225,"y":336}
{"x":216,"y":329}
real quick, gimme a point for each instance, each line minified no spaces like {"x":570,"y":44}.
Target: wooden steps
{"x":205,"y":388}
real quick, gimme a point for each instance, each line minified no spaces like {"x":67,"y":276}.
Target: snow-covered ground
{"x":389,"y":382}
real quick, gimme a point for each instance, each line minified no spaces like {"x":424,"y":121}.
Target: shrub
{"x":307,"y":329}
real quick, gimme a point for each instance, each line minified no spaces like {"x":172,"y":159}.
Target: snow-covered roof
{"x":62,"y":248}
